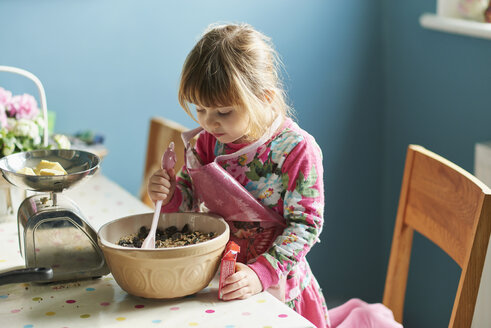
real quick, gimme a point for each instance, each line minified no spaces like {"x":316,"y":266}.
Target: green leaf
{"x":253,"y":173}
{"x":312,"y":178}
{"x":311,"y":193}
{"x":304,"y":186}
{"x":285,"y":180}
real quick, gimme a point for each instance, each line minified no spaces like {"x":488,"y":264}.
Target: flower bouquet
{"x":21,"y":125}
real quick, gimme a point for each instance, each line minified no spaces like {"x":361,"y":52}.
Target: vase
{"x":487,"y":13}
{"x":472,"y":9}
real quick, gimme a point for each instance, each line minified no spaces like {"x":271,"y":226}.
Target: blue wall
{"x":365,"y":79}
{"x":437,"y":95}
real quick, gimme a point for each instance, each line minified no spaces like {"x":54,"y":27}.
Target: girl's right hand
{"x":161,"y":185}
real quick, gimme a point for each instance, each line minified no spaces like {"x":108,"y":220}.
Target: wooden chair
{"x":161,"y":133}
{"x":450,"y":207}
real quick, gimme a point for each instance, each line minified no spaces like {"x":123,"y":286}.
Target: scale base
{"x":53,"y":233}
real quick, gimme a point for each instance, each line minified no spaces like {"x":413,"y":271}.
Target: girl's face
{"x":227,"y":124}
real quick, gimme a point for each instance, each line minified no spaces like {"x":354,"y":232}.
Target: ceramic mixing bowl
{"x":164,"y":272}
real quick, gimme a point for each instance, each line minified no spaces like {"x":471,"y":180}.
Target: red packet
{"x":227,"y":266}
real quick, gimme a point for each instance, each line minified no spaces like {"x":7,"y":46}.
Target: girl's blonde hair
{"x":235,"y":65}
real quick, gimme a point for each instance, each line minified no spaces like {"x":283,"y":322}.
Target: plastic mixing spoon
{"x":168,"y":162}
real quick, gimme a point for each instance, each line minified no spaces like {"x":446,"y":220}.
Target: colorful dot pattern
{"x":93,"y":302}
{"x":129,"y":309}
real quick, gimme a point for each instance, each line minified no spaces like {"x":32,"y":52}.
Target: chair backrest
{"x":161,"y":133}
{"x":450,"y":207}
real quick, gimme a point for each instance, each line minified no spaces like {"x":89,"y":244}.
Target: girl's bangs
{"x":210,"y":91}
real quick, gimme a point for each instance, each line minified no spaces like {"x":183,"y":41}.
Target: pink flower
{"x":24,"y":106}
{"x":5,"y":96}
{"x":238,"y":171}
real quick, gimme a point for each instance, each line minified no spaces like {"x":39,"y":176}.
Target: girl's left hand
{"x":242,"y":284}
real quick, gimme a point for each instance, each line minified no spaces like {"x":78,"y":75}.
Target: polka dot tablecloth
{"x":102,"y":303}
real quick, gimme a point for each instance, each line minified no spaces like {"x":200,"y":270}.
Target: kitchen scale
{"x":52,"y":230}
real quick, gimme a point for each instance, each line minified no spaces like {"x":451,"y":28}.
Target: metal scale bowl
{"x":52,"y":230}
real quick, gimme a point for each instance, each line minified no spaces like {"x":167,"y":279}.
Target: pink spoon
{"x":168,"y":162}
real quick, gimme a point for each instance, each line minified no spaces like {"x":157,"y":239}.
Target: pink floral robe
{"x":286,"y":175}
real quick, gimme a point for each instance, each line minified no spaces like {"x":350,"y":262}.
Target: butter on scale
{"x":44,"y":168}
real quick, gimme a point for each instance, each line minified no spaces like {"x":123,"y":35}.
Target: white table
{"x":102,"y":303}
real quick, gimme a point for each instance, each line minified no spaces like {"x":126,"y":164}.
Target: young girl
{"x":231,"y":79}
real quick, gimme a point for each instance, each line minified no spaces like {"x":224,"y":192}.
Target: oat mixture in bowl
{"x":168,"y":237}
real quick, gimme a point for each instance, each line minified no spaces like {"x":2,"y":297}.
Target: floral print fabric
{"x":286,"y":175}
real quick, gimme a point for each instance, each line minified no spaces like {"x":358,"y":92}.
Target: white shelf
{"x":456,"y":26}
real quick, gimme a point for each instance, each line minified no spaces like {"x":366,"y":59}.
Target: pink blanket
{"x":356,"y":313}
